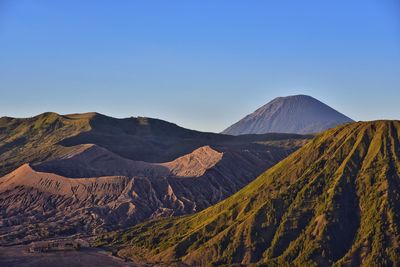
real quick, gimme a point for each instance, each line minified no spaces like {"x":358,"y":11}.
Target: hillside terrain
{"x":86,"y":173}
{"x":292,"y":114}
{"x":335,"y":201}
{"x":49,"y":136}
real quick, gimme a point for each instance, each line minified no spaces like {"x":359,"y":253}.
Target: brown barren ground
{"x":18,"y":256}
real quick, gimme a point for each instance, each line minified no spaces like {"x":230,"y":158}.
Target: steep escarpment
{"x":336,"y":201}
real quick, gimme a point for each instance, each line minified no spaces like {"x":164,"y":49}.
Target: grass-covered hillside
{"x":336,"y":201}
{"x":36,"y":139}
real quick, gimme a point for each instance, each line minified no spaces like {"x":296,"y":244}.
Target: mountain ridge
{"x":48,"y":135}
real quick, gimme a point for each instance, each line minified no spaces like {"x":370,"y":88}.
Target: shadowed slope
{"x":334,"y":201}
{"x":94,"y":161}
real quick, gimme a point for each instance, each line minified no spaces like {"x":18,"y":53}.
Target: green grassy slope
{"x":36,"y":139}
{"x":336,"y":201}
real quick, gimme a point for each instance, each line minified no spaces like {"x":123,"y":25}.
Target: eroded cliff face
{"x":91,"y":190}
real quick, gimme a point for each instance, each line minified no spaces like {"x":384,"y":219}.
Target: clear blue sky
{"x":201,"y":64}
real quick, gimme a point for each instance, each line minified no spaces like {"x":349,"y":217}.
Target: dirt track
{"x":18,"y":256}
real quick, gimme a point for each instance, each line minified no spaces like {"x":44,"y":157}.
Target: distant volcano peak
{"x":301,"y":114}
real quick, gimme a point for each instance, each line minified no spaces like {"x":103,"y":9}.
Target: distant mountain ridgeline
{"x":49,"y":135}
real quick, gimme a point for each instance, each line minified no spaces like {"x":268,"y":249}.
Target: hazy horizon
{"x":201,"y":65}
